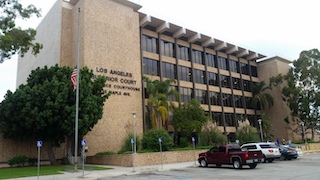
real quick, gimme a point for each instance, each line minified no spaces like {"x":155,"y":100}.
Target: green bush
{"x":32,"y":161}
{"x":150,"y":140}
{"x":183,"y":142}
{"x":211,"y":137}
{"x":247,"y":134}
{"x":19,"y":161}
{"x":105,"y":153}
{"x":127,"y":146}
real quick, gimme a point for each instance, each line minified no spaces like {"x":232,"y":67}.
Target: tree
{"x":158,"y":105}
{"x":262,"y":100}
{"x":260,"y":97}
{"x":13,"y":39}
{"x":247,"y":134}
{"x":302,"y":92}
{"x":189,"y":118}
{"x":44,"y":108}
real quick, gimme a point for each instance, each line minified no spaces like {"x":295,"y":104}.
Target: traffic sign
{"x":39,"y":143}
{"x":160,"y":139}
{"x":193,"y":139}
{"x":83,"y":142}
{"x":132,"y":140}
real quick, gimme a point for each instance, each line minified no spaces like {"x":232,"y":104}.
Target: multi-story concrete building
{"x":124,"y":45}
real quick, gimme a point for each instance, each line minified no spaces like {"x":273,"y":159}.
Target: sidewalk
{"x":115,"y":171}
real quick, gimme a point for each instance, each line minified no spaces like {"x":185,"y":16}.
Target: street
{"x":305,"y":167}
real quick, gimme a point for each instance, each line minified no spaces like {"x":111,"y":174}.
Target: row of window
{"x":150,"y":44}
{"x":215,"y":98}
{"x":152,"y":67}
{"x":231,"y":120}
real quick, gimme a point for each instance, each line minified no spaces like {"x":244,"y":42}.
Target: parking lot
{"x":305,"y":167}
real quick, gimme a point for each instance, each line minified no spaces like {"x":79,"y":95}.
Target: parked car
{"x":270,"y":150}
{"x":296,"y":147}
{"x":288,"y":153}
{"x":230,"y":154}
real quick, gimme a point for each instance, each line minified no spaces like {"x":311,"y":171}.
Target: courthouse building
{"x":123,"y":44}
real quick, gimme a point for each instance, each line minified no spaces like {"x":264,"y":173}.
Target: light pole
{"x":134,"y":115}
{"x":259,"y":120}
{"x":304,"y":132}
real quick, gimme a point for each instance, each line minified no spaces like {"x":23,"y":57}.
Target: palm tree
{"x":158,"y":105}
{"x":263,"y":100}
{"x":260,"y":98}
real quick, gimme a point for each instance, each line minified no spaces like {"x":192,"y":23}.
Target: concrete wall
{"x":145,"y":159}
{"x":10,"y":149}
{"x":110,"y":46}
{"x":49,"y":35}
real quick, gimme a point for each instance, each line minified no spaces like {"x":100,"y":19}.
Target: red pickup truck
{"x":230,"y":154}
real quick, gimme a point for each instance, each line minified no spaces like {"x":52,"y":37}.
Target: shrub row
{"x":21,"y":161}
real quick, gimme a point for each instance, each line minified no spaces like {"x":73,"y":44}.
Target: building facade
{"x":124,"y":45}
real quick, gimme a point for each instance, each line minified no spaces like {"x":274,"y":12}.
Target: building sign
{"x":118,"y":82}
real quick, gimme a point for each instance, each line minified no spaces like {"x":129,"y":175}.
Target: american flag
{"x":74,"y":78}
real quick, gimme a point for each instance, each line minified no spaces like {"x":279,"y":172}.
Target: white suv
{"x":269,"y":150}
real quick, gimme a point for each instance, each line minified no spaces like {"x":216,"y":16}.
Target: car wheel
{"x":282,"y":158}
{"x":203,"y":163}
{"x":218,"y":165}
{"x":252,"y":166}
{"x":264,"y":159}
{"x":270,"y":160}
{"x":237,"y":164}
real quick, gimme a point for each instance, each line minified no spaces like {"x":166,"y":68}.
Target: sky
{"x":270,"y":27}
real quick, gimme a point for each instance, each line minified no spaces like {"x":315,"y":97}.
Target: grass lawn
{"x":6,"y":173}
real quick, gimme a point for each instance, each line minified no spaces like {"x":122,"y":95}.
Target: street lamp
{"x":259,"y":120}
{"x":304,"y":132}
{"x":134,"y":115}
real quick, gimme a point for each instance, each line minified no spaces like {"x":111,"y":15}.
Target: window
{"x":238,"y":101}
{"x":218,"y":118}
{"x":185,"y":73}
{"x":167,"y":48}
{"x":213,"y":79}
{"x":172,"y":97}
{"x":246,"y":85}
{"x":199,"y":76}
{"x":250,"y":147}
{"x":211,"y":60}
{"x":214,"y":149}
{"x":267,"y":146}
{"x":214,"y":98}
{"x":186,"y":94}
{"x":244,"y":68}
{"x":248,"y":103}
{"x":222,"y":149}
{"x":223,"y":63}
{"x":234,"y":66}
{"x":225,"y":81}
{"x":226,"y":98}
{"x":197,"y":57}
{"x":229,"y":119}
{"x":183,"y":53}
{"x":201,"y":96}
{"x":236,"y":83}
{"x":169,"y":70}
{"x":149,"y":44}
{"x":151,"y":66}
{"x":254,"y":72}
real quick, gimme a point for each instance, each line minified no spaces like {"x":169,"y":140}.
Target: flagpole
{"x":77,"y":98}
